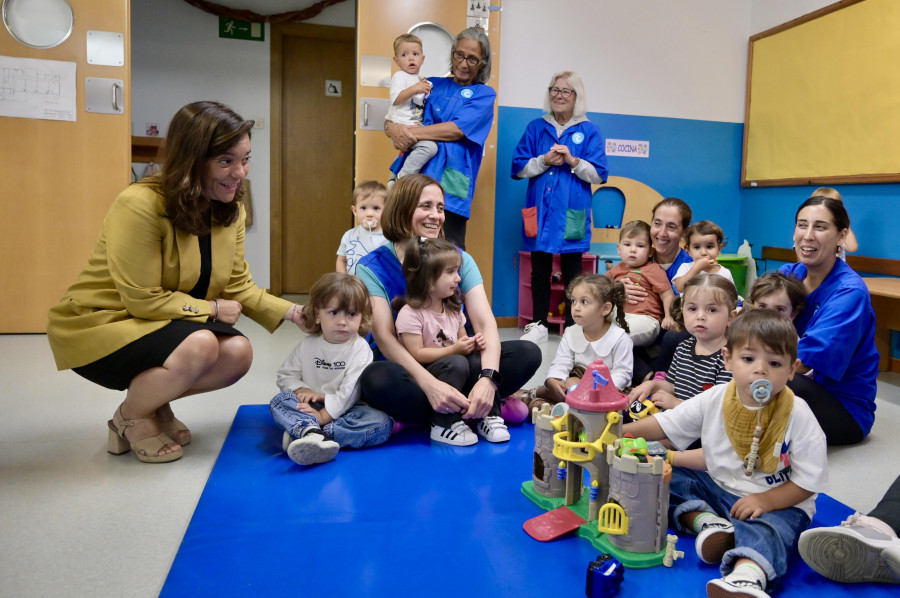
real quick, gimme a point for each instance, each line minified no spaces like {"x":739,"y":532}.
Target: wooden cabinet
{"x":557,"y":289}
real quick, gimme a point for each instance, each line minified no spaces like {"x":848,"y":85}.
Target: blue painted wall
{"x":698,"y":161}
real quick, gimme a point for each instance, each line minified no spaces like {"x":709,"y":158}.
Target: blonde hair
{"x":406,"y":38}
{"x":351,"y":295}
{"x":604,"y":290}
{"x":366,"y":189}
{"x":827,"y":192}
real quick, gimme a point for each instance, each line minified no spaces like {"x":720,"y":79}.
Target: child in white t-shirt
{"x":705,"y":240}
{"x":318,"y":406}
{"x":764,"y":454}
{"x":368,"y":203}
{"x":408,"y":92}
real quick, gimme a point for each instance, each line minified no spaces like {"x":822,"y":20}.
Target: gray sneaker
{"x":860,"y":549}
{"x":312,"y":448}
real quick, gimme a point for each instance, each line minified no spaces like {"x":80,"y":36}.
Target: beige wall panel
{"x":60,"y":177}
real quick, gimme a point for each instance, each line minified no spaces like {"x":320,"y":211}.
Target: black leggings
{"x":839,"y":427}
{"x":386,"y":386}
{"x":459,"y":371}
{"x":541,"y":272}
{"x":455,"y":229}
{"x":888,"y":508}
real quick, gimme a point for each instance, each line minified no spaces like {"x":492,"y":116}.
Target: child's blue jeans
{"x":770,"y":540}
{"x":359,"y":426}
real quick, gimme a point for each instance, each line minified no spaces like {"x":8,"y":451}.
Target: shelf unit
{"x":145,"y":149}
{"x":557,"y":289}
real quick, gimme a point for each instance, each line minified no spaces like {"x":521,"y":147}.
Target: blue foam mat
{"x":410,"y":518}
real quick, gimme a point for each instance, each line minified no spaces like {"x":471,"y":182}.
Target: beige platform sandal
{"x":145,"y":449}
{"x":175,"y":427}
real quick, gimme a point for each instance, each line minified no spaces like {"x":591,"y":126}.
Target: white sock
{"x":748,"y":572}
{"x":698,"y":521}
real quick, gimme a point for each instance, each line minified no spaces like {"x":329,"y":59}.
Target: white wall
{"x":766,"y":14}
{"x":678,"y":59}
{"x":177,"y":57}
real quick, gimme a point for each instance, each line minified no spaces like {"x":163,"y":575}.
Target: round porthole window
{"x":38,"y":23}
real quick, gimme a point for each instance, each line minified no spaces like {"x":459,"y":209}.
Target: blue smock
{"x":557,"y":192}
{"x":683,"y":257}
{"x":456,"y":164}
{"x":837,"y":339}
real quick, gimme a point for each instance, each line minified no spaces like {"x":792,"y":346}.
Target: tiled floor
{"x":76,"y":521}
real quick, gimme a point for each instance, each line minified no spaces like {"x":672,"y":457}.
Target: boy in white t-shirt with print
{"x":747,"y":518}
{"x":408,"y":93}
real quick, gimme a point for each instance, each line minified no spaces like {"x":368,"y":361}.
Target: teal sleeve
{"x":468,"y":272}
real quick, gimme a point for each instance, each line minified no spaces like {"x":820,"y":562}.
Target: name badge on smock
{"x":466,"y":93}
{"x":577,"y":138}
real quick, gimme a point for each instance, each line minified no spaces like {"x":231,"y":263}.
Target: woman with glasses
{"x":458,"y":114}
{"x":561,"y":154}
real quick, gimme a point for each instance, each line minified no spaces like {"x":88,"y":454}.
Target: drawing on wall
{"x":43,"y":89}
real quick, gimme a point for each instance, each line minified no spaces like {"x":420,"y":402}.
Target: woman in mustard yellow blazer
{"x":153,"y":311}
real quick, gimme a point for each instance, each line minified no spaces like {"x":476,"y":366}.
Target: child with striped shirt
{"x":708,"y":306}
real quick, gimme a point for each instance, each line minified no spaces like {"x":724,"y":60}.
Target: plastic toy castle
{"x":624,"y":508}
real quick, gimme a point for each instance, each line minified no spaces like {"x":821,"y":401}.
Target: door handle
{"x":115,"y":98}
{"x":365,"y":114}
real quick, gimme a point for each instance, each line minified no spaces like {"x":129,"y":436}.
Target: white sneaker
{"x":312,"y":448}
{"x":458,"y":434}
{"x":536,"y":333}
{"x":861,"y":549}
{"x":493,"y":429}
{"x":735,"y":588}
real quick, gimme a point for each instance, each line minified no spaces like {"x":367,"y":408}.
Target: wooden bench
{"x":885,"y":294}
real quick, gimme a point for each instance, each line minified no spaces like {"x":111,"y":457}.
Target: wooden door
{"x":313,"y":164}
{"x":59,"y":178}
{"x":378,"y":22}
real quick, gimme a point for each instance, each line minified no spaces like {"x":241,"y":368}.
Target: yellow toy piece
{"x":612,"y":520}
{"x":568,"y":450}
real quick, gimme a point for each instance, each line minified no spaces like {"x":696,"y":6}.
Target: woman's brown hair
{"x":400,"y":205}
{"x":198,"y":132}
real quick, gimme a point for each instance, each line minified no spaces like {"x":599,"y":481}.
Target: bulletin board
{"x":823,"y":98}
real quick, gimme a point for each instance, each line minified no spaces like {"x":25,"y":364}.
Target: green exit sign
{"x":236,"y":29}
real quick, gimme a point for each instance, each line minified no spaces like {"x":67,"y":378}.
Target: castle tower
{"x":642,"y":490}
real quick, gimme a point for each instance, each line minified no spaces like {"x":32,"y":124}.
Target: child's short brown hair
{"x":705,"y":227}
{"x":635,"y":228}
{"x":367,"y":188}
{"x":775,"y":331}
{"x":351,"y":295}
{"x":771,"y":283}
{"x":406,"y":38}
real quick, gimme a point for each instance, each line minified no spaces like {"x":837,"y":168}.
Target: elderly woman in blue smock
{"x":561,"y":154}
{"x":459,"y":112}
{"x":837,"y":329}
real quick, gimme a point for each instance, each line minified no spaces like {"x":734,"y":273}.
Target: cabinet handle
{"x":365,"y":114}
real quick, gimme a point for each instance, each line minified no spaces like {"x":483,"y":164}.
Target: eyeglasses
{"x":472,"y":61}
{"x":564,"y":92}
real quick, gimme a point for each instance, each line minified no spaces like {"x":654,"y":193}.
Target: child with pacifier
{"x":705,"y":240}
{"x":765,"y":460}
{"x":708,"y":306}
{"x":368,"y":203}
{"x":318,"y":406}
{"x":431,"y":326}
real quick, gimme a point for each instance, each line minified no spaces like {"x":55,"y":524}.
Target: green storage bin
{"x":737,"y":265}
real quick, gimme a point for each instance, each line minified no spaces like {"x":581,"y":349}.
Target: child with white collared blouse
{"x":596,"y":299}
